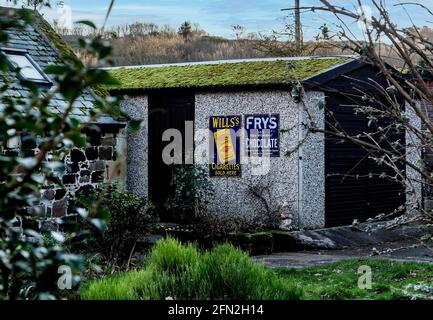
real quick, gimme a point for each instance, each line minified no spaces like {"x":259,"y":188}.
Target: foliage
{"x":127,"y":217}
{"x":208,"y":226}
{"x":34,"y":4}
{"x":141,"y":43}
{"x":396,"y":108}
{"x":339,"y":281}
{"x":220,"y":75}
{"x":28,"y":263}
{"x":182,"y":272}
{"x":192,"y":189}
{"x":185,"y":30}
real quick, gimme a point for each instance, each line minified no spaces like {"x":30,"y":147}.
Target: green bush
{"x":127,"y":216}
{"x":183,"y":272}
{"x":191,"y":191}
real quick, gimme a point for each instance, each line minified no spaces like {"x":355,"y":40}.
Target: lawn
{"x":226,"y":273}
{"x":339,"y":281}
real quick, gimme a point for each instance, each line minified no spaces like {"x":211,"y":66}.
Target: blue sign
{"x":263,"y":135}
{"x":225,"y":146}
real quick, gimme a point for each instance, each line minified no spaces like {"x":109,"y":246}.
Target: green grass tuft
{"x":183,"y":272}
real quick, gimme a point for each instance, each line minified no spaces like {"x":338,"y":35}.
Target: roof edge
{"x":230,"y":61}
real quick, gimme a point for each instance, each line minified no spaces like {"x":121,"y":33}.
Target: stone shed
{"x":253,"y":110}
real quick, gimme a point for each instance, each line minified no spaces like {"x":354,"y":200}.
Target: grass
{"x":183,"y":272}
{"x":339,"y":281}
{"x":220,"y":75}
{"x":226,"y":273}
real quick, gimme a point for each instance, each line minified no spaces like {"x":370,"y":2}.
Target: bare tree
{"x":282,"y":43}
{"x":238,"y":31}
{"x":403,"y":104}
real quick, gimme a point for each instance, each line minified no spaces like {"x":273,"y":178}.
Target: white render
{"x":413,"y":156}
{"x":137,"y":146}
{"x":293,"y":185}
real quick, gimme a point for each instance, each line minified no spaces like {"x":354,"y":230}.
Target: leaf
{"x":28,"y":163}
{"x":57,"y":236}
{"x":88,"y":23}
{"x":135,"y":125}
{"x":82,"y":212}
{"x":99,"y":224}
{"x":55,"y":166}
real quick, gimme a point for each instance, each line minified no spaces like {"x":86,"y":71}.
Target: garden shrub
{"x":127,"y":218}
{"x":30,"y":260}
{"x":191,"y":191}
{"x":184,"y":272}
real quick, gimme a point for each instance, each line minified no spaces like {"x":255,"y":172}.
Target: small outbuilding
{"x":311,"y":179}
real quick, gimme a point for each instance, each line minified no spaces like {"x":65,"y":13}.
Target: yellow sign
{"x":224,"y":146}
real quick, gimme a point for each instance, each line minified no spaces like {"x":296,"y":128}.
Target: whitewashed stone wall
{"x":295,"y":183}
{"x":312,"y":163}
{"x":137,"y":146}
{"x":293,"y":186}
{"x":414,"y":156}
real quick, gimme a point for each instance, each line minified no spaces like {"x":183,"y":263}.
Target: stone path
{"x":395,"y":251}
{"x":405,"y":246}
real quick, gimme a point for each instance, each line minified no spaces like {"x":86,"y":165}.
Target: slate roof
{"x":266,"y":72}
{"x":44,"y":52}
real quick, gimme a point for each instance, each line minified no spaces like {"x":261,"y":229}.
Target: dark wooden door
{"x":353,"y":188}
{"x":167,"y":110}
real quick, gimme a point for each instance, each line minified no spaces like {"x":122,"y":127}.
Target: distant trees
{"x":34,"y":4}
{"x":148,"y":43}
{"x":185,"y":30}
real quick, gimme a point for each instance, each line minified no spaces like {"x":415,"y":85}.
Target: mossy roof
{"x":221,"y":75}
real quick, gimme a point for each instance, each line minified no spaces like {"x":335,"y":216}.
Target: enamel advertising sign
{"x":225,"y":146}
{"x":263,"y":135}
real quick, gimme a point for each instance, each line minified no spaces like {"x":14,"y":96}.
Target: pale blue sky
{"x":216,"y":16}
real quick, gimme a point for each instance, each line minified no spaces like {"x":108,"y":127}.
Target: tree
{"x":185,"y":30}
{"x":29,"y":261}
{"x":406,"y":100}
{"x":238,"y":31}
{"x":34,"y":4}
{"x":282,"y":43}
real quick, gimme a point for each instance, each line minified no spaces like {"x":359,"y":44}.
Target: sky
{"x":215,"y":16}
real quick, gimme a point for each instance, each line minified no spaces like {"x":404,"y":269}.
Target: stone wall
{"x":86,"y":168}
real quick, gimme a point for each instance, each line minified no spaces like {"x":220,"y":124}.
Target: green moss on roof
{"x":55,"y":39}
{"x":62,"y":47}
{"x":254,"y":73}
